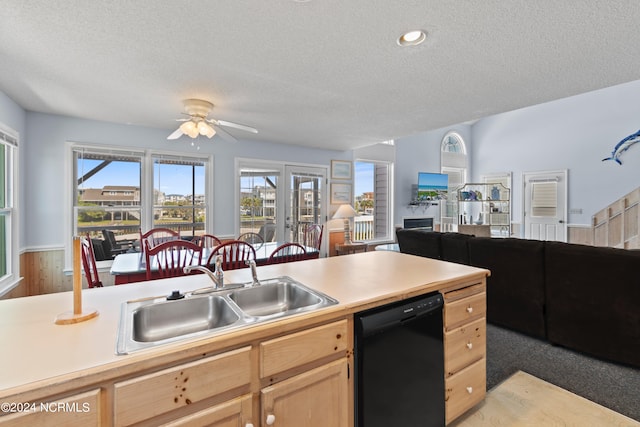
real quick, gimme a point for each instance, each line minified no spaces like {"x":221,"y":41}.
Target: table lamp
{"x":345,"y":212}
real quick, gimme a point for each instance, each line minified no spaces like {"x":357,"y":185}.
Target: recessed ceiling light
{"x":412,"y":38}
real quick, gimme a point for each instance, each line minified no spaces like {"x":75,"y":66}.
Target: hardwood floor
{"x":524,"y":400}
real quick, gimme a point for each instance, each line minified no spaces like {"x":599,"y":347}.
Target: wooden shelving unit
{"x":617,"y":225}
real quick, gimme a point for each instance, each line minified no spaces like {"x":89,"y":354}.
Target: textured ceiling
{"x":323,"y":73}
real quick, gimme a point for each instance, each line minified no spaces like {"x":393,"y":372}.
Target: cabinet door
{"x":78,"y":410}
{"x":319,"y":397}
{"x":154,"y":394}
{"x":234,"y":413}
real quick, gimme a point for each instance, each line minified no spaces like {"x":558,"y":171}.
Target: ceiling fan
{"x":199,"y":124}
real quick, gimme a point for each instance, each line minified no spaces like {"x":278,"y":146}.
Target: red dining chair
{"x":169,"y":258}
{"x":252,"y":238}
{"x":207,"y":241}
{"x":313,"y":236}
{"x":287,"y":252}
{"x":156,"y":236}
{"x":235,"y":255}
{"x":89,"y":263}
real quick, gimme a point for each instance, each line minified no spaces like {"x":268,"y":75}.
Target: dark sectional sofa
{"x":581,"y":297}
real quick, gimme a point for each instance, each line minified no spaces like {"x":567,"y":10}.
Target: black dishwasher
{"x":399,"y":364}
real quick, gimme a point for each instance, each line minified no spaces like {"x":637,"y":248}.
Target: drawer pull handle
{"x":469,"y":390}
{"x":271,"y":419}
{"x":469,"y":309}
{"x":469,"y":345}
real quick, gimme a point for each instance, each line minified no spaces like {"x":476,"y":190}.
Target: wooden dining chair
{"x":313,"y":236}
{"x":157,"y":235}
{"x":207,"y":241}
{"x":168,"y":259}
{"x":89,"y":263}
{"x":252,"y":238}
{"x":235,"y":254}
{"x":287,"y":252}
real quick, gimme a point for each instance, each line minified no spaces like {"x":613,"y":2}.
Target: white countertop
{"x":35,"y":349}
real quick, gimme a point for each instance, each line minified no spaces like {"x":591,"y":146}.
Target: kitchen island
{"x":257,"y":374}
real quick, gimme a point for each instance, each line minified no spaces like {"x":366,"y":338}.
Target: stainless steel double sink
{"x":149,"y":322}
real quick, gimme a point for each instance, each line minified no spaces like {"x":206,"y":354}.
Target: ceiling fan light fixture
{"x":189,"y":128}
{"x":206,"y":129}
{"x":412,"y":38}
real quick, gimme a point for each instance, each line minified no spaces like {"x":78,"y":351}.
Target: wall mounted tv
{"x":432,"y":186}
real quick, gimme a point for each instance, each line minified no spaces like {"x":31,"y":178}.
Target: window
{"x":107,"y":192}
{"x":124,"y":191}
{"x":372,"y":200}
{"x":258,"y":197}
{"x":179,"y":201}
{"x":453,"y":162}
{"x":9,"y":261}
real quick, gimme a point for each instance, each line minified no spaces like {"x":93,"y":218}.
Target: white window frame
{"x":389,"y":234}
{"x":146,"y":187}
{"x":11,"y":138}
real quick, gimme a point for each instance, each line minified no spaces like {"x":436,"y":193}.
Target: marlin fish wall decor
{"x":623,"y":146}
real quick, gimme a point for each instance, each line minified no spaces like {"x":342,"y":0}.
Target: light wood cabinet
{"x":234,"y":413}
{"x":151,"y":395}
{"x":81,"y":410}
{"x":319,"y":397}
{"x":464,"y":349}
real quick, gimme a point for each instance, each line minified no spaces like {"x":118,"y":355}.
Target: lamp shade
{"x":205,"y":129}
{"x":344,"y":211}
{"x":189,"y":128}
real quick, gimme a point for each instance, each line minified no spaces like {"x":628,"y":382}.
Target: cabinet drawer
{"x":280,"y":354}
{"x":236,"y":412}
{"x":464,"y":345}
{"x":150,"y":395}
{"x":465,"y":389}
{"x":464,"y":310}
{"x":78,"y":410}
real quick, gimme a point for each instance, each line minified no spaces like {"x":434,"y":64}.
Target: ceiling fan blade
{"x":176,"y":134}
{"x":224,"y":134}
{"x":237,"y":126}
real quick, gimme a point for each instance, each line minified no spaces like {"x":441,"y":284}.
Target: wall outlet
{"x":575,"y":211}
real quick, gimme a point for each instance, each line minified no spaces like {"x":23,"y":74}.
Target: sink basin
{"x":170,"y":319}
{"x":154,"y":321}
{"x":275,"y":298}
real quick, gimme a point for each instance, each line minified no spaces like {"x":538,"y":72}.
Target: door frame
{"x":564,"y":177}
{"x":281,"y":192}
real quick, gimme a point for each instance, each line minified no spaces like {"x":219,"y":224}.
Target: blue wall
{"x":574,"y":133}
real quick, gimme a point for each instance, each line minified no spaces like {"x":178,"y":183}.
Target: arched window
{"x":453,"y":162}
{"x":453,"y":143}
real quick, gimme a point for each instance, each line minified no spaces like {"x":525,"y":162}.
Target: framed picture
{"x":340,"y":193}
{"x":340,"y":169}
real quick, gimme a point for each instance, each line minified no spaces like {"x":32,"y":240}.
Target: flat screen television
{"x":432,"y":186}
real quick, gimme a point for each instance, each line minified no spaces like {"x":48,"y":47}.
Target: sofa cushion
{"x":419,"y":242}
{"x":593,"y":300}
{"x":515,"y":289}
{"x":455,"y":248}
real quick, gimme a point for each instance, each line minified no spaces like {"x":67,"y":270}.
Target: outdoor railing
{"x":363,"y":228}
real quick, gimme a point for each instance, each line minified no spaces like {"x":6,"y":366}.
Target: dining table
{"x":131,"y":267}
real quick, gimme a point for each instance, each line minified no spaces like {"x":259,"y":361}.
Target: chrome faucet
{"x":254,"y":273}
{"x":217,"y":276}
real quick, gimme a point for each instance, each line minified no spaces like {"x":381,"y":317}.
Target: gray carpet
{"x":611,"y":385}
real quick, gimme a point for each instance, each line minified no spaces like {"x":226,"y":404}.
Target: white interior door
{"x":305,"y":200}
{"x":545,"y":205}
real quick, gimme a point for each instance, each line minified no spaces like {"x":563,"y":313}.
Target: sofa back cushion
{"x":515,"y":288}
{"x":419,"y":242}
{"x":455,"y":247}
{"x":593,"y":300}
